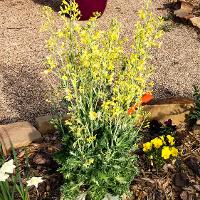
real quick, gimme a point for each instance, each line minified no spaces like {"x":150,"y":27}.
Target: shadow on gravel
{"x":25,"y":93}
{"x":165,"y":95}
{"x":54,"y":4}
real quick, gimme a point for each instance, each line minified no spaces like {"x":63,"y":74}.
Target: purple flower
{"x":168,"y":122}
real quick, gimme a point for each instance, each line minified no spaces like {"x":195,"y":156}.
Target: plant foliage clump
{"x":98,"y":84}
{"x":194,"y":115}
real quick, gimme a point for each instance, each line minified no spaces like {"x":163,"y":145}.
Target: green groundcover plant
{"x":98,"y":84}
{"x":194,"y":115}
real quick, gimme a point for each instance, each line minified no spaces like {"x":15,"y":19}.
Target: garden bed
{"x":179,"y":179}
{"x":103,"y":140}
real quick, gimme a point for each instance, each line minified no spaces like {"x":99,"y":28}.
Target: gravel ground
{"x":22,"y":53}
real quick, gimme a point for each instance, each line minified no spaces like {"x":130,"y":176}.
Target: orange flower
{"x":132,"y":109}
{"x":147,"y":97}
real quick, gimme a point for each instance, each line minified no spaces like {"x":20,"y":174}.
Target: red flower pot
{"x":88,"y":7}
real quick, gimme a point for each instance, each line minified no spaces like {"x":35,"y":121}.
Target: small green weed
{"x":194,"y":115}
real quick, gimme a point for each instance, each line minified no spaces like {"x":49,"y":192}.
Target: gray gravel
{"x":23,"y":87}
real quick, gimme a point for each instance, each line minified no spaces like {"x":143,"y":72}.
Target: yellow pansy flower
{"x":170,"y":139}
{"x":147,"y":146}
{"x":157,"y":142}
{"x":166,"y":152}
{"x":174,"y":151}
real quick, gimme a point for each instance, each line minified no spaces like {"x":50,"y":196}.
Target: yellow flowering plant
{"x":161,"y":143}
{"x":158,"y":150}
{"x":98,"y":82}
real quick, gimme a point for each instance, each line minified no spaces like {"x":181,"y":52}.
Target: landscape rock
{"x":19,"y":134}
{"x":175,"y":100}
{"x":44,"y":126}
{"x":195,"y":21}
{"x":183,"y":9}
{"x":176,"y":112}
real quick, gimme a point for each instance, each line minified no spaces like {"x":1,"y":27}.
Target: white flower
{"x":34,"y":181}
{"x":110,"y":197}
{"x":3,"y":176}
{"x":8,"y":167}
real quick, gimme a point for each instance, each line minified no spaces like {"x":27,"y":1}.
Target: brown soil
{"x":22,"y":53}
{"x":38,"y":160}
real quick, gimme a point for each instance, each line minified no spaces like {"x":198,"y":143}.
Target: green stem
{"x":8,"y":189}
{"x":4,"y":191}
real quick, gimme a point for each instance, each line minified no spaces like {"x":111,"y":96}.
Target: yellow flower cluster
{"x":158,"y":142}
{"x":168,"y":151}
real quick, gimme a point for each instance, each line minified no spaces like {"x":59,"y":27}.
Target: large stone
{"x":198,"y":122}
{"x":176,"y":112}
{"x":43,"y":125}
{"x":195,"y":21}
{"x":175,"y":100}
{"x":19,"y":134}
